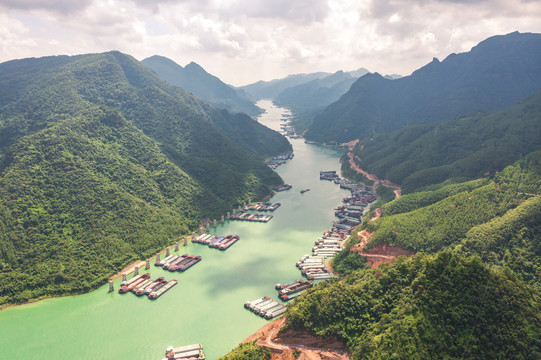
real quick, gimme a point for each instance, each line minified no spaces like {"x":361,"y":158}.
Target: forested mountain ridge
{"x":195,"y":79}
{"x":463,"y":148}
{"x":102,"y":162}
{"x":497,"y":73}
{"x":271,"y":89}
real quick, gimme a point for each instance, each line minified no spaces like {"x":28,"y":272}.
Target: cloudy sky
{"x":242,"y":41}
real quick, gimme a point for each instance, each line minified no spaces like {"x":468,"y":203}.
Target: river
{"x":207,"y":305}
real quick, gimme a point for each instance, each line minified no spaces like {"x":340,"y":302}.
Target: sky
{"x":243,"y":41}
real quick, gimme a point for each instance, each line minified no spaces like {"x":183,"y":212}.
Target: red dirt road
{"x":377,"y":181}
{"x":283,"y":344}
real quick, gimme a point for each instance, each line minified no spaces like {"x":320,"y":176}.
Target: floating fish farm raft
{"x":279,"y":160}
{"x":188,"y":352}
{"x":292,"y":289}
{"x":143,"y":285}
{"x":262,"y":207}
{"x":246,"y":216}
{"x":265,"y":307}
{"x":282,"y":187}
{"x":178,"y":262}
{"x":215,"y":241}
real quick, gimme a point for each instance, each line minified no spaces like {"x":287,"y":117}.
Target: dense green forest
{"x":458,"y":149}
{"x":195,"y":79}
{"x":429,"y":306}
{"x":102,"y":162}
{"x":497,"y":73}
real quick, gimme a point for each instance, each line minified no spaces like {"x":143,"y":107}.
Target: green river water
{"x":207,"y":305}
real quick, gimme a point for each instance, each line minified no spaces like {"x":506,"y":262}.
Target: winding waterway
{"x":207,"y":305}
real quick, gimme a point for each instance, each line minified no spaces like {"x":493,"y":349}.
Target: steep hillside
{"x":462,"y":148}
{"x":440,"y":306}
{"x":195,"y":79}
{"x":496,"y":219}
{"x":102,"y":162}
{"x":495,"y":74}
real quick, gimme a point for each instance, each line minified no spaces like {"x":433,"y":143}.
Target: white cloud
{"x":242,"y":41}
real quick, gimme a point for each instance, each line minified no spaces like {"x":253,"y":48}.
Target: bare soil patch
{"x":283,"y":344}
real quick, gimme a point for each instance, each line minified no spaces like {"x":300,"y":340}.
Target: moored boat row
{"x":192,"y":352}
{"x":293,"y":289}
{"x":262,"y":207}
{"x":178,"y":262}
{"x":217,"y":242}
{"x":245,"y":216}
{"x":265,"y":307}
{"x":144,"y":285}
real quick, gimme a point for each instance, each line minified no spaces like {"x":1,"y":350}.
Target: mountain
{"x":195,"y":79}
{"x":102,"y":162}
{"x":316,"y":93}
{"x":479,"y":255}
{"x":271,"y":89}
{"x":428,"y":307}
{"x":463,"y":148}
{"x":495,"y":74}
{"x":313,"y":96}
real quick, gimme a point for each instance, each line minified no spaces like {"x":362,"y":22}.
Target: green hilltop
{"x":463,"y":148}
{"x":102,"y":163}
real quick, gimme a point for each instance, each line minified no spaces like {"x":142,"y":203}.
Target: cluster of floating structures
{"x":215,"y":241}
{"x":188,"y":352}
{"x":292,"y":289}
{"x":143,"y":285}
{"x":350,"y":214}
{"x":246,"y":216}
{"x":265,"y":307}
{"x":279,"y":160}
{"x":289,"y":131}
{"x":177,"y":262}
{"x":262,"y":207}
{"x":282,"y":187}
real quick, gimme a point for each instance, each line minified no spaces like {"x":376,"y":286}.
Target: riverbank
{"x":283,"y":344}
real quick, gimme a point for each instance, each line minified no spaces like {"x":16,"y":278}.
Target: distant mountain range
{"x":317,"y":93}
{"x":195,"y":79}
{"x":495,"y":74}
{"x":102,"y":162}
{"x":271,"y":89}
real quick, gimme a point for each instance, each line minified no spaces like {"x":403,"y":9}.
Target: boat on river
{"x":193,"y":260}
{"x":194,"y":351}
{"x":138,"y":279}
{"x":304,"y":190}
{"x":156,"y":294}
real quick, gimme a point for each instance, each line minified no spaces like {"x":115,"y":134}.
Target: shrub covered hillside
{"x":497,"y":219}
{"x":102,"y":162}
{"x":429,"y":306}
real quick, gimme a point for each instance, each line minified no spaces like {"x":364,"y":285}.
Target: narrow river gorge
{"x":207,"y":305}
